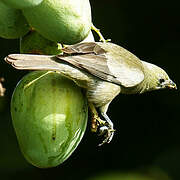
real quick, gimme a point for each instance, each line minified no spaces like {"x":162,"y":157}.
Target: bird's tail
{"x":31,"y":62}
{"x":51,"y":63}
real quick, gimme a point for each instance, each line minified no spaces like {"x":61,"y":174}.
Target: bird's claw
{"x":107,"y":132}
{"x":103,"y":127}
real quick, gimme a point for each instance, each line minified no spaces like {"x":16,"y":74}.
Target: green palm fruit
{"x":21,"y":4}
{"x":34,"y":43}
{"x":65,"y":21}
{"x":12,"y":22}
{"x":49,"y":114}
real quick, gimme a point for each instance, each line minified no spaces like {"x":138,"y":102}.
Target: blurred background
{"x":146,"y":145}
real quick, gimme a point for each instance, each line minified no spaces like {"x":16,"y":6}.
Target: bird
{"x":104,"y":70}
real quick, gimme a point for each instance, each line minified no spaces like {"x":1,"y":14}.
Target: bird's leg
{"x":105,"y":127}
{"x":96,"y":121}
{"x":99,"y":34}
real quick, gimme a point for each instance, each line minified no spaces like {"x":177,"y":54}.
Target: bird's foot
{"x":104,"y":128}
{"x":102,"y":39}
{"x":107,"y":132}
{"x":107,"y":129}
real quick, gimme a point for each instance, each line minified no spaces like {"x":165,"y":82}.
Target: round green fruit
{"x":12,"y":22}
{"x":49,"y":114}
{"x":21,"y":4}
{"x":64,"y":21}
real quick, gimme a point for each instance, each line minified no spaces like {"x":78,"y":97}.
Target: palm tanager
{"x":104,"y":70}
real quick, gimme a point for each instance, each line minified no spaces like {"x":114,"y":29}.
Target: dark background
{"x":147,"y":126}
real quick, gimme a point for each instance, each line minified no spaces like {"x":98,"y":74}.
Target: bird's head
{"x":157,"y":78}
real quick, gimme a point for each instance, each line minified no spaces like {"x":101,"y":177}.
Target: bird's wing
{"x":96,"y":60}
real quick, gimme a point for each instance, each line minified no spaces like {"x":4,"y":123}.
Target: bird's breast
{"x":102,"y":92}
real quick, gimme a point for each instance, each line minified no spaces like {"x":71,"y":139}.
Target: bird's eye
{"x":161,"y":80}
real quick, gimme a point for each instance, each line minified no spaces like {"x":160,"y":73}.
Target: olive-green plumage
{"x":103,"y":69}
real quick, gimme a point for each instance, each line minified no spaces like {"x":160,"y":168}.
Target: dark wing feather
{"x":125,"y":69}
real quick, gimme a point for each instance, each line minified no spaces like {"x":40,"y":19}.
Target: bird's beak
{"x":171,"y":85}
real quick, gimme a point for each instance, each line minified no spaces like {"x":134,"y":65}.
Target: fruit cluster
{"x":49,"y":111}
{"x":65,"y":21}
